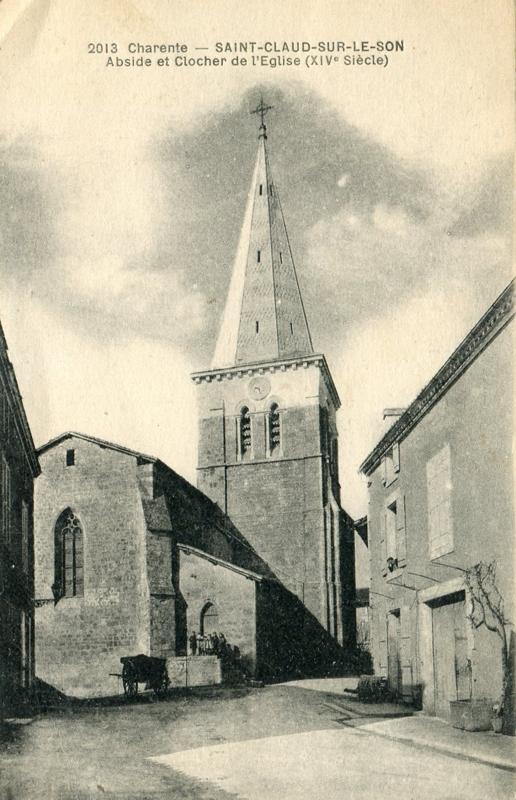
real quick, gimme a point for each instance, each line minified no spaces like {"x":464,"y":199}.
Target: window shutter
{"x":401,"y":538}
{"x":396,"y":457}
{"x":405,"y":654}
{"x":383,"y":543}
{"x":382,"y":644}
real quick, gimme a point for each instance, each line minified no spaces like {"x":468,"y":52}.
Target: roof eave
{"x":498,"y":315}
{"x":94,"y":440}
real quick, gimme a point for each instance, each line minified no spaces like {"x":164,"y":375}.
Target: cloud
{"x":134,"y":391}
{"x":86,"y":242}
{"x":125,"y":245}
{"x":488,"y":206}
{"x":142,"y":231}
{"x":385,"y":361}
{"x":372,"y":257}
{"x":27,"y":206}
{"x":392,"y":220}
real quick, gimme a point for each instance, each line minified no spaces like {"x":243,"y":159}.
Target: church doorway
{"x":209,"y":622}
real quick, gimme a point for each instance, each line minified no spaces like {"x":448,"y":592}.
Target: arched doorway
{"x":209,"y":622}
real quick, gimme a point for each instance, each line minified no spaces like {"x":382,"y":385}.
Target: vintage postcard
{"x":256,"y":481}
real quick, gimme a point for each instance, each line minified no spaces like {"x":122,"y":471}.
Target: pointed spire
{"x":264,"y":318}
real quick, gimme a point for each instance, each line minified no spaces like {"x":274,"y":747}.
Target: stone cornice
{"x":493,"y":321}
{"x":263,"y":367}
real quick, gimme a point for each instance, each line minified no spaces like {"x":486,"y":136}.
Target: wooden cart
{"x":144,"y":669}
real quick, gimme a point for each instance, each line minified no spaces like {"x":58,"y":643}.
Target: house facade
{"x":440,"y":504}
{"x":18,"y":468}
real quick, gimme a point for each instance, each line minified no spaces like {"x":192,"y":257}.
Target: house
{"x":18,"y":468}
{"x":440,"y":511}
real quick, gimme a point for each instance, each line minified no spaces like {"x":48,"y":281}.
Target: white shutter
{"x":396,"y":457}
{"x":382,"y":641}
{"x":401,"y":536}
{"x":383,"y":543}
{"x":406,"y":653}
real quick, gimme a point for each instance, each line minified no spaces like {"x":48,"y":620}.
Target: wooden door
{"x":393,"y":653}
{"x":450,"y":654}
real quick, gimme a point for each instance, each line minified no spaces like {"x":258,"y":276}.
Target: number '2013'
{"x":100,"y":47}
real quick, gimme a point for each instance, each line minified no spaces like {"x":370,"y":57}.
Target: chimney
{"x":390,"y":416}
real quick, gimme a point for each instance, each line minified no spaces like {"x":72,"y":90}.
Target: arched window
{"x":274,"y":428}
{"x":245,"y":431}
{"x":68,"y":539}
{"x":209,"y":621}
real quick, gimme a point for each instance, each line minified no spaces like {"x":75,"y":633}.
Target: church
{"x":131,"y":558}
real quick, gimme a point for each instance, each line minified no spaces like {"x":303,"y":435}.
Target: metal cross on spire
{"x":262,"y":109}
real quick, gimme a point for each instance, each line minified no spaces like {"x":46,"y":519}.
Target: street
{"x":280,"y":742}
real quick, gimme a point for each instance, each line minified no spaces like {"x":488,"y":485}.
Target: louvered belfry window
{"x":69,"y":579}
{"x":245,"y":431}
{"x":274,"y":428}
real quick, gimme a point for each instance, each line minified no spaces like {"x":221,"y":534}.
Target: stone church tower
{"x":268,"y":446}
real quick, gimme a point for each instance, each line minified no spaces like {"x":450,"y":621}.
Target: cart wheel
{"x":129,"y":681}
{"x":160,"y":688}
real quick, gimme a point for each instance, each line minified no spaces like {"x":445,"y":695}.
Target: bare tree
{"x":487,"y":608}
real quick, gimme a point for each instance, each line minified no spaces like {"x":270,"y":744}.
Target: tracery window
{"x":69,"y":572}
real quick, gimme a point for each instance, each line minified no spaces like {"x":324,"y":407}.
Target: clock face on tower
{"x":259,"y":388}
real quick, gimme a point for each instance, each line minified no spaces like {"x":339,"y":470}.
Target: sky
{"x":122,"y":193}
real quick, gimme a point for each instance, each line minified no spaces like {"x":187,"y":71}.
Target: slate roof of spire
{"x":264,"y":317}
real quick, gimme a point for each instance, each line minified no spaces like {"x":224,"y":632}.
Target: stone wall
{"x":280,"y":503}
{"x":186,"y":671}
{"x":234,"y":596}
{"x":79,"y":640}
{"x":18,"y":465}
